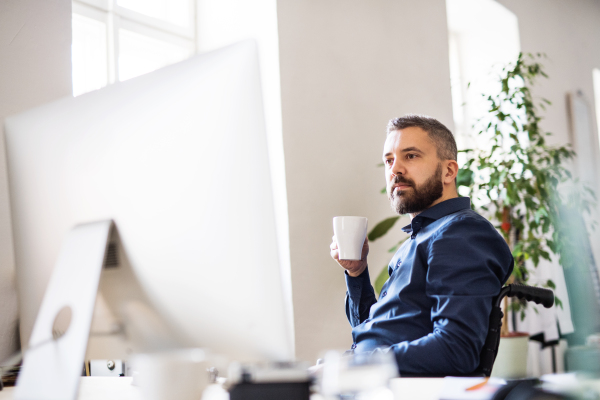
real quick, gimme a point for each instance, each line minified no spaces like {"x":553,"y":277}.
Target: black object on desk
{"x":270,"y":391}
{"x":270,"y":381}
{"x":526,"y":389}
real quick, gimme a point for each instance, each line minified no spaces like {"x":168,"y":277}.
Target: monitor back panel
{"x":178,"y":159}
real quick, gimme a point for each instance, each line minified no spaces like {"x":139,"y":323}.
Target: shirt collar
{"x":436,"y":212}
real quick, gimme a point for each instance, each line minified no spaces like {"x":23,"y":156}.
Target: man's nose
{"x":398,"y":168}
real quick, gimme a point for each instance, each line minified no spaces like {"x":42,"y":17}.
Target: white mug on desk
{"x":172,"y":374}
{"x":350,"y":234}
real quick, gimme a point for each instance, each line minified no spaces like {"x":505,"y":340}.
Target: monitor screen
{"x":178,"y":159}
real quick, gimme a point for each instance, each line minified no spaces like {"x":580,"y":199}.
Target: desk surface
{"x":97,"y":388}
{"x":416,"y":388}
{"x":102,"y":388}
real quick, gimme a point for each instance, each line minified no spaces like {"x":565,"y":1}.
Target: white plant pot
{"x":511,"y":361}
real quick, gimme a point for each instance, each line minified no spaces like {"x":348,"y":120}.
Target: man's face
{"x":413,"y":171}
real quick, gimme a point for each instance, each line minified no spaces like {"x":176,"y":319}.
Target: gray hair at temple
{"x":441,"y":136}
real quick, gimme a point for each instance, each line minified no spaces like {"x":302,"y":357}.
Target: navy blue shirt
{"x":433,"y":311}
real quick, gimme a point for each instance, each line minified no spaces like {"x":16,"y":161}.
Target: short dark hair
{"x":441,"y":136}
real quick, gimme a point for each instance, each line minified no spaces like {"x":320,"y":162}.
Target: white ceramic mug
{"x":173,"y":374}
{"x":350,"y":234}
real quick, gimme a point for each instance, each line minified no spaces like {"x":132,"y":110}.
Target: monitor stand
{"x":92,"y":270}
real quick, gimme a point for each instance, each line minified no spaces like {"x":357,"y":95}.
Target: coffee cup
{"x":171,"y":374}
{"x":350,"y":234}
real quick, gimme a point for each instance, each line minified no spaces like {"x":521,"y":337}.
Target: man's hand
{"x":354,"y":267}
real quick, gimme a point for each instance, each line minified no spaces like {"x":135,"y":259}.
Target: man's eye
{"x":389,"y":162}
{"x":410,"y":156}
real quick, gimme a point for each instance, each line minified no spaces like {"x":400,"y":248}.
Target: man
{"x":434,"y":309}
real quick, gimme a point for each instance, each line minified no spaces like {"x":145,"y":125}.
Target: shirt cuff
{"x":355,"y":285}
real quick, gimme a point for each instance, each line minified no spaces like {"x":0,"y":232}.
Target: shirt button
{"x":383,"y":294}
{"x":353,"y":346}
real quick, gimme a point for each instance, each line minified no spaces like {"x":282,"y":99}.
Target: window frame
{"x":117,"y":17}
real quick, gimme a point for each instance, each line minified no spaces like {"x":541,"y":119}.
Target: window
{"x":483,"y":37}
{"x":115,"y":40}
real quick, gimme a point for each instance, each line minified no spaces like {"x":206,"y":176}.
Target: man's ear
{"x":450,"y":171}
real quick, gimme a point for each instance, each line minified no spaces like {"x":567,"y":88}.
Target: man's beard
{"x":419,"y":198}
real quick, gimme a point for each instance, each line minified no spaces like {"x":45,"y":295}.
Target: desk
{"x":97,"y":388}
{"x":416,"y":388}
{"x":103,"y":388}
{"x":108,"y":388}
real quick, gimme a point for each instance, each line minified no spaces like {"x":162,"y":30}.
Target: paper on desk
{"x":560,"y":382}
{"x":569,"y":378}
{"x":454,"y":388}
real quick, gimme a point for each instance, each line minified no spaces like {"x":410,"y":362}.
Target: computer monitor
{"x":178,"y":159}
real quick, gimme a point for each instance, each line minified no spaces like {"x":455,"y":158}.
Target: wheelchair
{"x":538,"y":295}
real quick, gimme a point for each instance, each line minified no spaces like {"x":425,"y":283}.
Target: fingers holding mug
{"x":350,"y":246}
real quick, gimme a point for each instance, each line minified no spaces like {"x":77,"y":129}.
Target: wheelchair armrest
{"x":538,"y":295}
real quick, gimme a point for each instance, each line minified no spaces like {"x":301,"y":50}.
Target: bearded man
{"x":433,"y":311}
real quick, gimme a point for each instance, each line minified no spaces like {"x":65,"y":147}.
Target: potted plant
{"x":514,"y":179}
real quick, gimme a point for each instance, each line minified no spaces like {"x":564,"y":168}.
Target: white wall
{"x":35,"y":68}
{"x":347,"y":67}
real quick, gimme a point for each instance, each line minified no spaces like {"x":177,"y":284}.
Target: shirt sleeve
{"x":360,"y":296}
{"x":467,"y":265}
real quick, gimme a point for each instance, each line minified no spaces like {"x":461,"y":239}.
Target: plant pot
{"x":511,"y":361}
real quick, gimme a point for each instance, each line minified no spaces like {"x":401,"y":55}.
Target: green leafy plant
{"x":514,"y":179}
